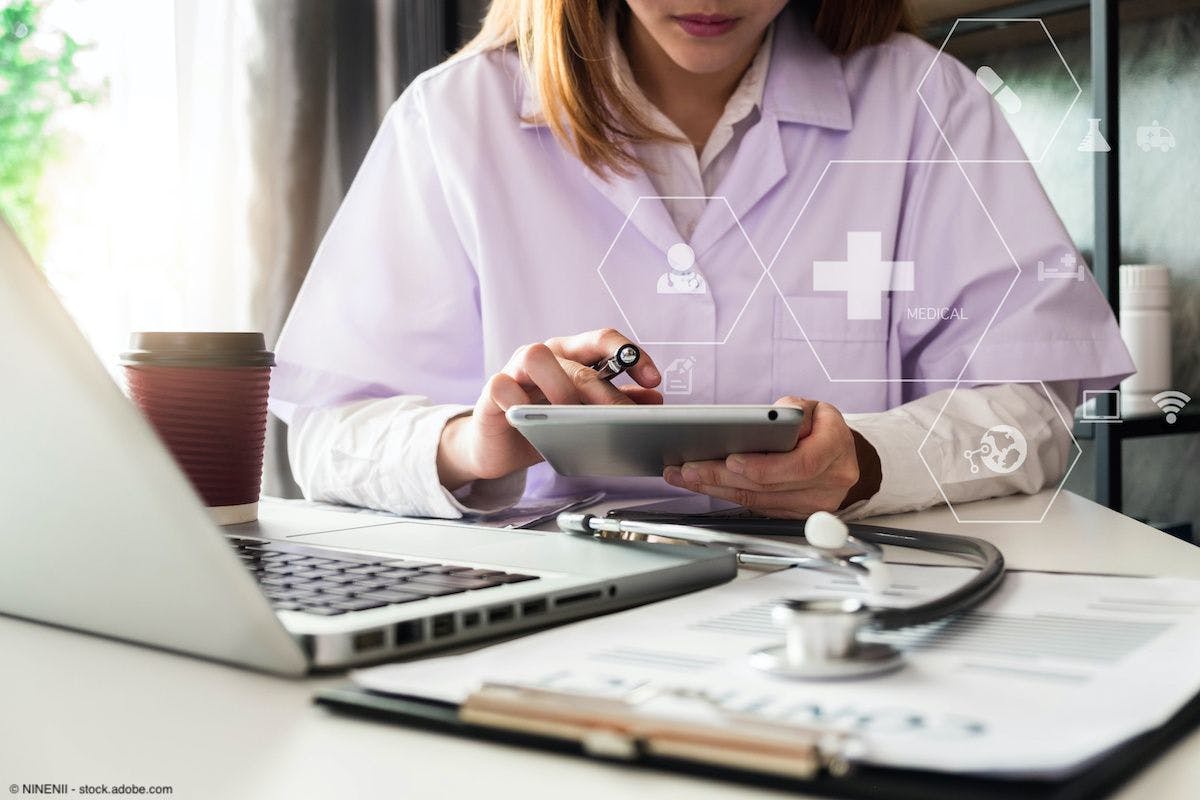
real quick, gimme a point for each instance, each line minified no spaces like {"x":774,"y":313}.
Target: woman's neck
{"x":694,"y":102}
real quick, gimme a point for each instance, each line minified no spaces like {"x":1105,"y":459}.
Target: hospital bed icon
{"x":1071,"y":268}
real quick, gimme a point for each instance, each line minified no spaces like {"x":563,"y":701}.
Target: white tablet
{"x":641,"y":440}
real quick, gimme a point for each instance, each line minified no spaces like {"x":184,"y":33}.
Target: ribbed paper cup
{"x":206,"y":396}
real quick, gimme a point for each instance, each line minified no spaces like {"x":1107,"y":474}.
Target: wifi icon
{"x":1171,"y":403}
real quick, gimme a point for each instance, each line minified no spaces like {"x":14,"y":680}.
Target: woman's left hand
{"x":830,"y":468}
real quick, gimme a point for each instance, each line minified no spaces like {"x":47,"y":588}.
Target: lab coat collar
{"x":805,"y":84}
{"x":805,"y":81}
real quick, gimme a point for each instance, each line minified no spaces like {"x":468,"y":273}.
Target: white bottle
{"x":1146,"y":329}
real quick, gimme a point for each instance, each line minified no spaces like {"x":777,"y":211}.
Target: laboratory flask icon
{"x":1094,"y":141}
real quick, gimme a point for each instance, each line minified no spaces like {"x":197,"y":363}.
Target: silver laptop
{"x":101,"y":532}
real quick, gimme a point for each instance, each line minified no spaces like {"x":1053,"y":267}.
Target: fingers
{"x":549,"y":372}
{"x":809,"y":407}
{"x":593,"y":346}
{"x":824,"y":438}
{"x":789,"y":504}
{"x":500,"y":393}
{"x":814,"y":476}
{"x":642,"y":396}
{"x":590,"y":387}
{"x":694,"y":474}
{"x":536,"y":366}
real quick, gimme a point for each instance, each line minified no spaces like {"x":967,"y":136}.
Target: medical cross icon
{"x":863,"y":276}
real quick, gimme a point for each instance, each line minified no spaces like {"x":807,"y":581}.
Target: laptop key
{"x":427,"y":589}
{"x":365,"y":570}
{"x":313,"y":562}
{"x":451,"y":581}
{"x":357,"y":604}
{"x":514,"y":577}
{"x":295,"y":593}
{"x":397,"y":573}
{"x":324,"y":611}
{"x":286,"y":605}
{"x":478,"y":573}
{"x":406,"y":564}
{"x":275,"y":580}
{"x":391,"y":597}
{"x":312,"y":572}
{"x":337,"y":590}
{"x":371,"y":584}
{"x":443,"y":569}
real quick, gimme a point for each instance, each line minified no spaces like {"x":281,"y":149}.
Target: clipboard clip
{"x":666,"y":722}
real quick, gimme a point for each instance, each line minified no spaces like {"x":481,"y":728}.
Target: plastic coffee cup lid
{"x":197,"y":349}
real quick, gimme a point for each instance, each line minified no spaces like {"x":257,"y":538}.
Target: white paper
{"x":1049,"y":673}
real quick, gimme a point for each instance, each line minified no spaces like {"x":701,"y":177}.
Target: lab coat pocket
{"x":847,"y":349}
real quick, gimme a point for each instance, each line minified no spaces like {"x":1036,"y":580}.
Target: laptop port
{"x":368,"y":640}
{"x":533,"y":607}
{"x":579,"y":597}
{"x":408,"y":632}
{"x":470,"y":619}
{"x":442,"y":625}
{"x":499,"y":614}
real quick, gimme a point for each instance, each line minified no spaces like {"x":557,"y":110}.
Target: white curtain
{"x":150,"y":221}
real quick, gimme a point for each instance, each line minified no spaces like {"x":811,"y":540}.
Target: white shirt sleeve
{"x":382,"y":454}
{"x":899,"y":436}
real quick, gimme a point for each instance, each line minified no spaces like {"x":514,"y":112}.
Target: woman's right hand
{"x":484,"y":445}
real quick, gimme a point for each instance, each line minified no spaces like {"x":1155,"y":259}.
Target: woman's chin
{"x":704,"y":61}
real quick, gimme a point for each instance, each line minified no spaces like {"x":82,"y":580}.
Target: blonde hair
{"x":563,"y":47}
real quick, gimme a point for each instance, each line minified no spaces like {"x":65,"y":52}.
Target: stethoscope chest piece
{"x":822,"y":642}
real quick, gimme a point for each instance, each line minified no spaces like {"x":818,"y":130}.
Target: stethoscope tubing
{"x":986,"y":556}
{"x":756,"y":549}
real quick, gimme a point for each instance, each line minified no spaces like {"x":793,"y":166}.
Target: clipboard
{"x":830,"y":778}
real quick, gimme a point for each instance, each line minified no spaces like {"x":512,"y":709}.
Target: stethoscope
{"x":822,"y":635}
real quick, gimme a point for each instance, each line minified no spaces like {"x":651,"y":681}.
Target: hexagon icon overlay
{"x":854,"y":278}
{"x":669,"y":290}
{"x":1009,"y":96}
{"x":1000,"y":449}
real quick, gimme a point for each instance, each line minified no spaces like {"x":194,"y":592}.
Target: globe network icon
{"x":1002,"y":449}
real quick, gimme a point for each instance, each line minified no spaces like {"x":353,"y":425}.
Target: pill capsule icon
{"x":994,"y":84}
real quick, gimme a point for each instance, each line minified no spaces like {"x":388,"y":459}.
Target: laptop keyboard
{"x":315,"y":580}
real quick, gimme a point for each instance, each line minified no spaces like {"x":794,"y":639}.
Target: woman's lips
{"x":705,"y":24}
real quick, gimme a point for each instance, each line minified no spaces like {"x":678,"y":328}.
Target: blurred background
{"x":173,"y":164}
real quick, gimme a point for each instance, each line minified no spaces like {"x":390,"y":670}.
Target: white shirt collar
{"x":745,"y":100}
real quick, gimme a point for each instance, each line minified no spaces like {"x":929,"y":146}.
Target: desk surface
{"x":81,"y":709}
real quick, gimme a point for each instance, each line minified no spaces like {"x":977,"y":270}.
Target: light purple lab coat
{"x":469,"y":232}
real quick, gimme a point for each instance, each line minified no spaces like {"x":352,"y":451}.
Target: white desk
{"x":80,"y":709}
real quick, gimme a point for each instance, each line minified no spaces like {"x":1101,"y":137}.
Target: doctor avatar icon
{"x":681,"y":276}
{"x":677,"y":379}
{"x":1002,"y":449}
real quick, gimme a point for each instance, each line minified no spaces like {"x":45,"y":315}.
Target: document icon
{"x":678,"y":377}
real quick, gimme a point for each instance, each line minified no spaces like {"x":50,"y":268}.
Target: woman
{"x":853,"y":228}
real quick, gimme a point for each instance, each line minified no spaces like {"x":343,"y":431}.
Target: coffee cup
{"x":206,"y":396}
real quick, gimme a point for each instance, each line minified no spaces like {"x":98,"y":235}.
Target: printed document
{"x":1048,"y":674}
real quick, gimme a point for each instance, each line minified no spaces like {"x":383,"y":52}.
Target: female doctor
{"x":848,"y":200}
